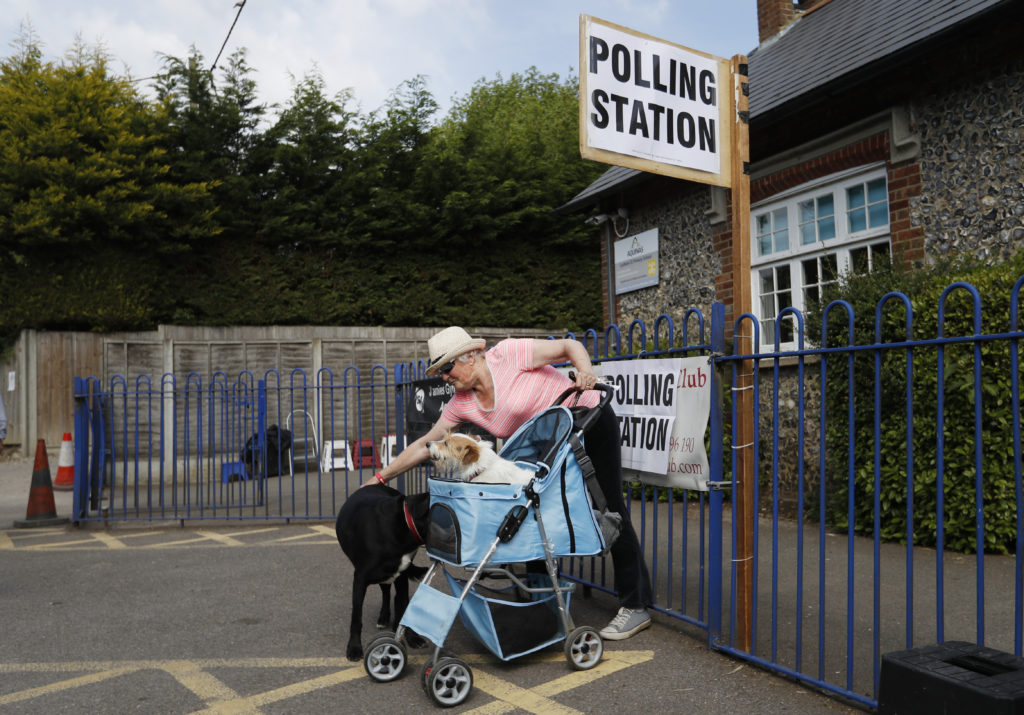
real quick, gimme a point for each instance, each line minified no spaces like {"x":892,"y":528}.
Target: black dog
{"x":379,"y":529}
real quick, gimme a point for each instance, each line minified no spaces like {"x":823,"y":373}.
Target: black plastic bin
{"x":952,"y":677}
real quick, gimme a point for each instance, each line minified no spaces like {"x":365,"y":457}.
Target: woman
{"x":502,"y":388}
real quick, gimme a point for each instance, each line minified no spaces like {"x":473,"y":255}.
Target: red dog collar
{"x":412,"y":524}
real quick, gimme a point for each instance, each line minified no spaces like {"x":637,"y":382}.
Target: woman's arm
{"x":546,"y":352}
{"x":415,"y":453}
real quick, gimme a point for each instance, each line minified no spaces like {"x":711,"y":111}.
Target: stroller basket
{"x":510,"y":628}
{"x":465,"y":516}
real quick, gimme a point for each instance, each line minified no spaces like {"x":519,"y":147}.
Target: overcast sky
{"x":371,"y":46}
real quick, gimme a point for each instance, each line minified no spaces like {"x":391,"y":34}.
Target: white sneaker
{"x":626,"y":624}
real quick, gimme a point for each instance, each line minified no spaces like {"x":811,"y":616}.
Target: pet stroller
{"x":484,"y":530}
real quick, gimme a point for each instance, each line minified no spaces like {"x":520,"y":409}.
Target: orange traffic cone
{"x":42,"y":510}
{"x":65,"y":480}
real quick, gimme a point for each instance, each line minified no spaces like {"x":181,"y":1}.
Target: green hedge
{"x":924,"y":289}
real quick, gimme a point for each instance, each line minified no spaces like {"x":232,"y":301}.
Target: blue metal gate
{"x":843,"y":568}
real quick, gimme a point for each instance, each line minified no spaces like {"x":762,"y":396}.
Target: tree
{"x":503,"y":159}
{"x":213,"y":134}
{"x":122,"y":213}
{"x":86,"y":203}
{"x":313,"y":154}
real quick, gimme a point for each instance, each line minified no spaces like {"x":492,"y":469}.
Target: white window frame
{"x":842,"y":246}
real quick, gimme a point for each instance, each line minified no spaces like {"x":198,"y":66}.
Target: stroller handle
{"x":590,"y":416}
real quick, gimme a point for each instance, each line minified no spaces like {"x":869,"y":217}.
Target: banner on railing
{"x":663,"y":407}
{"x":429,"y":396}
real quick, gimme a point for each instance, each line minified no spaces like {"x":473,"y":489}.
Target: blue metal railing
{"x":831,"y":590}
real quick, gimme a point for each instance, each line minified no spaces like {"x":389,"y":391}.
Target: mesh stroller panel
{"x":539,"y":440}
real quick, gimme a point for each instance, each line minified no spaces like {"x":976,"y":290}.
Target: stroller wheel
{"x":428,"y":667}
{"x":448,"y":682}
{"x":385,"y":658}
{"x":583,"y":648}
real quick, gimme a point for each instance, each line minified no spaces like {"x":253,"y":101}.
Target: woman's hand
{"x":585,"y":380}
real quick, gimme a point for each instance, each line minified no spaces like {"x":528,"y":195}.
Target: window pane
{"x":876,"y":191}
{"x":764,"y":224}
{"x":786,"y":331}
{"x":827,"y":228}
{"x":880,"y":249}
{"x":808,"y":234}
{"x":810,"y":271}
{"x":780,"y":219}
{"x":782,"y":240}
{"x":806,"y":211}
{"x":767,"y":281}
{"x":764,"y":245}
{"x":879,"y":214}
{"x":829,"y":267}
{"x":810,"y":296}
{"x":782,"y":275}
{"x":859,"y":261}
{"x":768,"y":306}
{"x":785,"y":300}
{"x":826,"y":206}
{"x":857,"y":221}
{"x":855,"y":196}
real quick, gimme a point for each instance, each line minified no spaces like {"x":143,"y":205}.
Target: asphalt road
{"x":252,"y":618}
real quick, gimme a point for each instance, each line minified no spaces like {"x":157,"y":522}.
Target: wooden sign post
{"x":743,"y":390}
{"x":658,"y":107}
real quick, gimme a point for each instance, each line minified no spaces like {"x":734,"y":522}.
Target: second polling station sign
{"x":653,"y":105}
{"x":663,"y":405}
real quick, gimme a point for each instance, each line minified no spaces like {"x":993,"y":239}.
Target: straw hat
{"x":448,"y":345}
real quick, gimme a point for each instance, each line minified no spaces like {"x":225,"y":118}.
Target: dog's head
{"x":459,"y":452}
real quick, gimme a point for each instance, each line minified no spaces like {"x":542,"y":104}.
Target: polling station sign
{"x":653,"y":105}
{"x":663,"y":406}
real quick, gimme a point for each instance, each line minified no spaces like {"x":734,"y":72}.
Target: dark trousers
{"x":603,"y":444}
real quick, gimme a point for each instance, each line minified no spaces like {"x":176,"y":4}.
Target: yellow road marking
{"x":199,"y":681}
{"x":108,"y":540}
{"x":59,"y":539}
{"x":253,"y":702}
{"x":313,"y":532}
{"x":252,"y":531}
{"x":221,"y":538}
{"x":219,"y":698}
{"x":64,"y":685}
{"x":495,"y":707}
{"x":611,"y":662}
{"x":529,"y":700}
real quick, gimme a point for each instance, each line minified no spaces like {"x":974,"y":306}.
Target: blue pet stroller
{"x":483,"y":530}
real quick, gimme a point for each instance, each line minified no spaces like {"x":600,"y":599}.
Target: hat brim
{"x":474,"y":344}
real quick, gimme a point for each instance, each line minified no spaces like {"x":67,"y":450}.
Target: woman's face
{"x":460,"y":374}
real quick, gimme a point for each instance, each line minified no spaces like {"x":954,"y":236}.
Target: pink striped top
{"x":520,"y":390}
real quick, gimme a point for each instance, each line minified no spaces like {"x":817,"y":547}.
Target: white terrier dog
{"x":472,"y":459}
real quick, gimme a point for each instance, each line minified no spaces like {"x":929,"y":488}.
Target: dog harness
{"x":412,"y":524}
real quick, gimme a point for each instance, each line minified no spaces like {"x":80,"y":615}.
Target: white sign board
{"x":663,"y":406}
{"x":636,"y":262}
{"x":653,"y":105}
